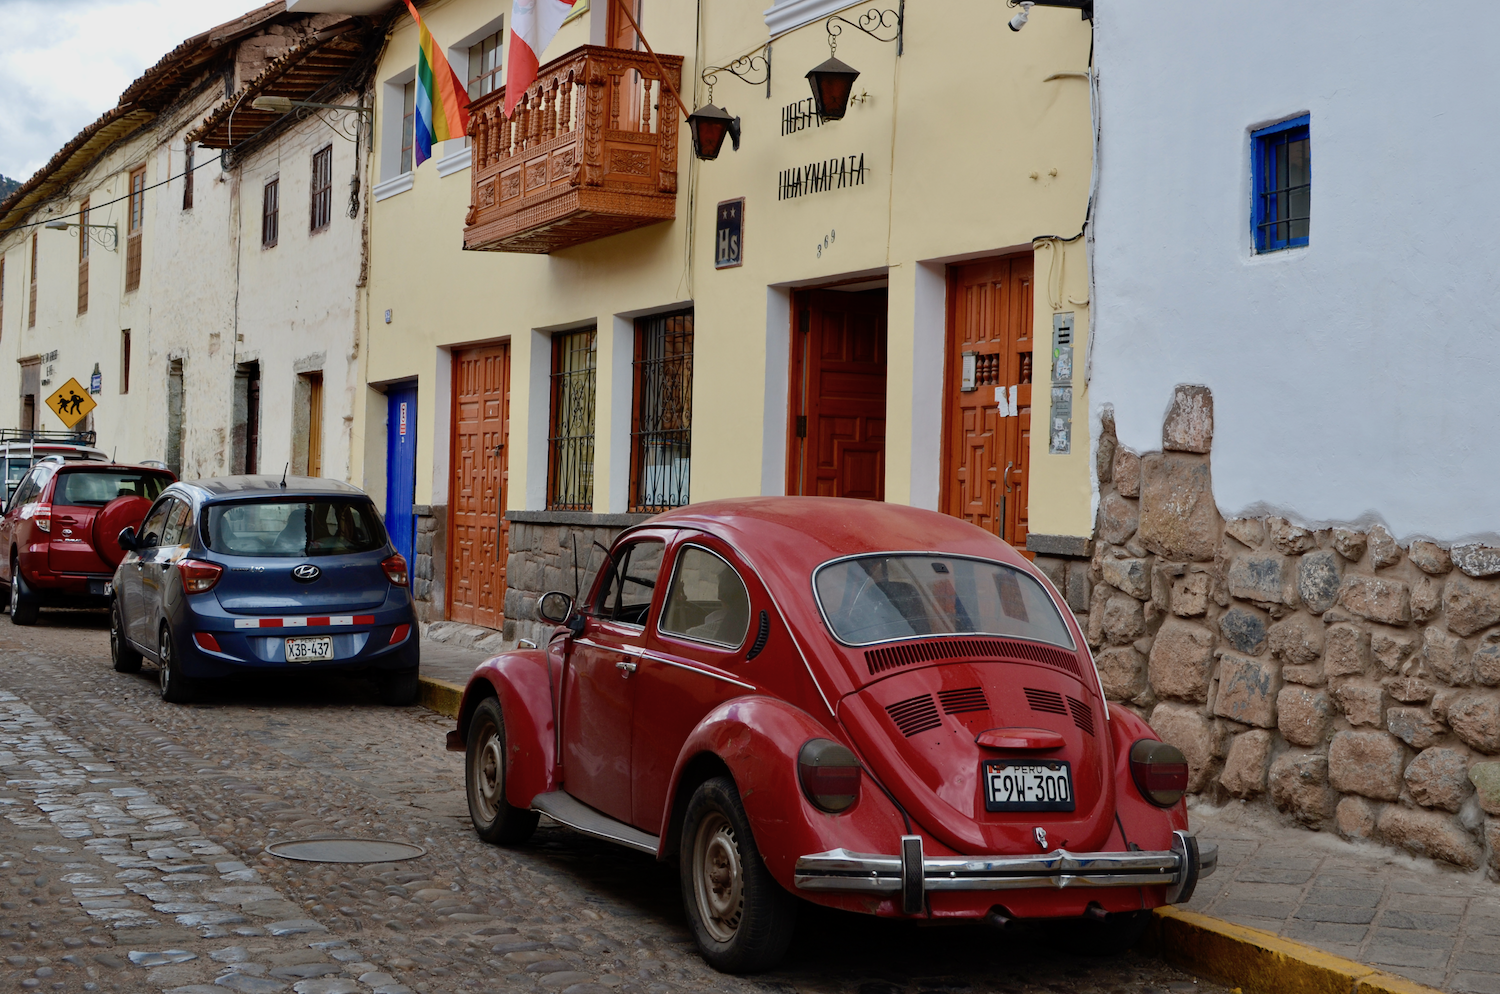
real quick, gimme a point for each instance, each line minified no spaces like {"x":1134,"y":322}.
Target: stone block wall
{"x":540,"y":558}
{"x":1350,"y":682}
{"x":428,"y":572}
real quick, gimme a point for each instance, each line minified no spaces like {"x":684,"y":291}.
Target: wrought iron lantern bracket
{"x":748,"y":68}
{"x":872,"y":22}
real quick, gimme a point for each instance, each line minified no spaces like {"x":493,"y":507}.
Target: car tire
{"x":1117,"y":933}
{"x":741,"y":917}
{"x":23,"y":606}
{"x":175,"y":688}
{"x":121,"y":652}
{"x":399,"y":690}
{"x":495,"y":819}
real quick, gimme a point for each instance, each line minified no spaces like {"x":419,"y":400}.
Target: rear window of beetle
{"x":95,"y":488}
{"x":885,"y":597}
{"x":295,"y":528}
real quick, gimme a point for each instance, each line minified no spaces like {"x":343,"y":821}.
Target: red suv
{"x":60,"y":532}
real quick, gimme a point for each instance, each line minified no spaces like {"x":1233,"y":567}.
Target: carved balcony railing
{"x":590,"y":151}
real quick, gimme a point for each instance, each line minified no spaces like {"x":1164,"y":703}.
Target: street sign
{"x":71,"y":403}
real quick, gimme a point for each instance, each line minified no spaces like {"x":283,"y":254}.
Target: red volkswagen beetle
{"x":868,"y":706}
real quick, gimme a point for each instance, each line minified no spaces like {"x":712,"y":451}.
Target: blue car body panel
{"x":257,"y":602}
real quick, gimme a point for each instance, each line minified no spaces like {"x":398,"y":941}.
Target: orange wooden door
{"x":987,"y":457}
{"x":837,"y":444}
{"x":478,"y":532}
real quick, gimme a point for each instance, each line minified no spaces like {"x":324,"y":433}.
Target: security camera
{"x":1019,"y":21}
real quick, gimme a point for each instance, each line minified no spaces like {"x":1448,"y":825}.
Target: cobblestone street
{"x":132,"y":856}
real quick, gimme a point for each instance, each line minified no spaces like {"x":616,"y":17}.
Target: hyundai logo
{"x":306,"y":573}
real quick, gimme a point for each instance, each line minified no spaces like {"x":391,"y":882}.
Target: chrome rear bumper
{"x":911,"y":875}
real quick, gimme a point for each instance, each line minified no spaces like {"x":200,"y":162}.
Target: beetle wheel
{"x":495,"y":819}
{"x":742,"y":918}
{"x":718,"y":877}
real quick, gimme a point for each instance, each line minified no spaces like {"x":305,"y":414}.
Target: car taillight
{"x":42,"y":518}
{"x":206,"y":641}
{"x":198,"y":576}
{"x":399,"y":635}
{"x":1160,"y":772}
{"x":395,"y":569}
{"x":830,"y":775}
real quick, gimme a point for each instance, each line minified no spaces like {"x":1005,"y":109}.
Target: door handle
{"x":626,"y":667}
{"x":164,"y":566}
{"x":1006,"y":478}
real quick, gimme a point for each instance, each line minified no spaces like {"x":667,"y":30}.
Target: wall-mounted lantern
{"x":832,"y":81}
{"x":710,"y":124}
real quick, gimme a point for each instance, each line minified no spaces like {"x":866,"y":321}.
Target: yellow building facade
{"x":884,"y":306}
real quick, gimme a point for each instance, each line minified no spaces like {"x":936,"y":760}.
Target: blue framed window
{"x":1281,"y":158}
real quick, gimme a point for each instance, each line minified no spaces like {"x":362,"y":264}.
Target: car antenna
{"x":576,"y":591}
{"x":283,"y":475}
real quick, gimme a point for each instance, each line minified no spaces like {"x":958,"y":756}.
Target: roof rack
{"x":40,"y":435}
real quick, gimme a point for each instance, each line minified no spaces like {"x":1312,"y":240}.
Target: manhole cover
{"x":345,"y":850}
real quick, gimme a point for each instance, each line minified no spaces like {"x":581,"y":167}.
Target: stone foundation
{"x":1350,"y":682}
{"x":428,"y":581}
{"x":541,"y":559}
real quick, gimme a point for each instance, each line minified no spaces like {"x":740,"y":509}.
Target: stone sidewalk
{"x":1406,"y":915}
{"x":450,"y":651}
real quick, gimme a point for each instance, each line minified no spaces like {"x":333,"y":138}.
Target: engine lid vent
{"x":915,"y":715}
{"x":890,"y":657}
{"x":963,"y":701}
{"x":1045,"y":701}
{"x":1083,"y":715}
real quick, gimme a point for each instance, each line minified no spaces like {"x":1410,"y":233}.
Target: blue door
{"x":401,"y":469}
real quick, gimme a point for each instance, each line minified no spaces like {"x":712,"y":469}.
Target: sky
{"x":65,"y":62}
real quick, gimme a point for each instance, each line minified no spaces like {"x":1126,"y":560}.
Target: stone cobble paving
{"x":1407,"y":915}
{"x":132,"y":858}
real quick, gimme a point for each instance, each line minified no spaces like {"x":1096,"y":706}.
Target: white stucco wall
{"x":1355,"y":378}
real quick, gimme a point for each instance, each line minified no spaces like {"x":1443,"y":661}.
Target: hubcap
{"x":15,"y":589}
{"x":718,"y":877}
{"x":488,"y":778}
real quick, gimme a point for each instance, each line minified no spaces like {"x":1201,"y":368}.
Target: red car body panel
{"x":690,"y":710}
{"x":63,"y":563}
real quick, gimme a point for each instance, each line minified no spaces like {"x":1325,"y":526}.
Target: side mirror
{"x":126,"y":539}
{"x":556,"y":607}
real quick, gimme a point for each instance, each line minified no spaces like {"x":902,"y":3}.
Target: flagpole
{"x":625,"y":9}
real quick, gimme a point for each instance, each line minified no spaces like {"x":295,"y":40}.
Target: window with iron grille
{"x":661,"y":422}
{"x":83,"y":258}
{"x":484,"y":65}
{"x":137,"y":217}
{"x":270,"y":213}
{"x":1282,"y":166}
{"x":570,"y":476}
{"x":187,"y":177}
{"x":322,"y":188}
{"x":408,"y":124}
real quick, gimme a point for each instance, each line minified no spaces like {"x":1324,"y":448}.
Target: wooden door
{"x":837,"y":443}
{"x":987,"y":452}
{"x":477,"y":530}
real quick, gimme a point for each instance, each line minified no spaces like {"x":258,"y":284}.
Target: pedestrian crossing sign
{"x":71,"y":403}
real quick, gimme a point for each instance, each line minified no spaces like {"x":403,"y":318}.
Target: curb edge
{"x":439,"y":695}
{"x":1259,"y":962}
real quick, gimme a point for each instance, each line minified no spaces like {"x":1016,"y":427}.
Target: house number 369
{"x":826,"y":242}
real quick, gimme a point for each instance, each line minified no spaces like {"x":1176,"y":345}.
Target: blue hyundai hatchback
{"x":253,"y":574}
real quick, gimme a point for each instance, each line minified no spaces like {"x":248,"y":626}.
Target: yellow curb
{"x":439,"y":695}
{"x":1258,"y":962}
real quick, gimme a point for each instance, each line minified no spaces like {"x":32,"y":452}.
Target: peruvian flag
{"x":533,"y":23}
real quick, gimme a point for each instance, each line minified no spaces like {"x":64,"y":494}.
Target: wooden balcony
{"x":590,"y":151}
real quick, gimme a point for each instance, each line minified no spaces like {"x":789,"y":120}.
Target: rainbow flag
{"x":442,"y":101}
